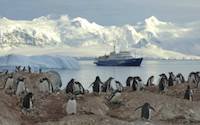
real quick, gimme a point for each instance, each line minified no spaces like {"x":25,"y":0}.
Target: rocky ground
{"x":49,"y":109}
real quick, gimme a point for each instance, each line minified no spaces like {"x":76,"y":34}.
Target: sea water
{"x":88,"y":71}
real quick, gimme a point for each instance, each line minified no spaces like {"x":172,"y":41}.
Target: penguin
{"x":115,"y":97}
{"x":9,"y":82}
{"x":171,"y":79}
{"x":78,"y":88}
{"x":40,"y":70}
{"x":129,"y":81}
{"x":24,"y":69}
{"x":45,"y":85}
{"x":27,"y":102}
{"x":20,"y":86}
{"x":179,"y":78}
{"x":162,"y":83}
{"x":29,"y":69}
{"x":192,"y":78}
{"x":71,"y":107}
{"x":119,"y":86}
{"x":146,"y":111}
{"x":70,"y":85}
{"x":107,"y":85}
{"x":150,"y":81}
{"x":96,"y":85}
{"x":188,"y":94}
{"x":137,"y":83}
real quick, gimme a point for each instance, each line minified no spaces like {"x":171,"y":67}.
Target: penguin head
{"x":10,"y":75}
{"x":146,"y":104}
{"x":30,"y":94}
{"x":188,"y":87}
{"x":21,"y":78}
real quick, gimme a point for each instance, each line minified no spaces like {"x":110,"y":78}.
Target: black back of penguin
{"x":27,"y":100}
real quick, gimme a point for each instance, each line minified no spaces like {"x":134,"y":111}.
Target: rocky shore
{"x":49,"y":108}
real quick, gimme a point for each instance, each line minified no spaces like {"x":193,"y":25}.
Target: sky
{"x":104,"y":12}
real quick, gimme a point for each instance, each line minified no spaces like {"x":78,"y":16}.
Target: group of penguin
{"x":111,"y":85}
{"x":17,"y":86}
{"x":135,"y":83}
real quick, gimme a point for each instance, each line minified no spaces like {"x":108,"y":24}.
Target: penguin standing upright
{"x":162,"y":85}
{"x":45,"y":85}
{"x":107,"y":85}
{"x":69,"y":88}
{"x":9,"y":82}
{"x":146,"y":111}
{"x":96,"y":85}
{"x":150,"y":81}
{"x":78,"y":88}
{"x":71,"y":106}
{"x":29,"y":69}
{"x":171,"y":79}
{"x":20,"y":86}
{"x":129,"y":81}
{"x":188,"y":94}
{"x":27,"y":102}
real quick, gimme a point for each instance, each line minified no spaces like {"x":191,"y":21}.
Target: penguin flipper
{"x":152,"y":108}
{"x":138,"y":108}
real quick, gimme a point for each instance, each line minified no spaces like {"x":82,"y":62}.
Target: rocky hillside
{"x":49,"y":109}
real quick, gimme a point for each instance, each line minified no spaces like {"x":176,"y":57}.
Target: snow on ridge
{"x":39,"y":61}
{"x":47,"y":31}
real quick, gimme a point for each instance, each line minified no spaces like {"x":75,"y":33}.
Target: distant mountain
{"x":151,"y":38}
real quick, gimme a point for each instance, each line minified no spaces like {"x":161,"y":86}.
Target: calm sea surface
{"x":88,"y":71}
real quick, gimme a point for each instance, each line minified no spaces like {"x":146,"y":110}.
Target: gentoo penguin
{"x":119,"y":86}
{"x":192,"y":78}
{"x":24,"y":69}
{"x":45,"y":85}
{"x":9,"y":82}
{"x":69,"y":87}
{"x":115,"y":97}
{"x":162,"y":85}
{"x":96,"y":85}
{"x":27,"y":102}
{"x":40,"y":70}
{"x":107,"y":85}
{"x":150,"y":81}
{"x":137,"y":83}
{"x":78,"y":88}
{"x":20,"y":86}
{"x":188,"y":94}
{"x":129,"y":81}
{"x":171,"y":79}
{"x":71,"y":106}
{"x":29,"y":69}
{"x":146,"y":111}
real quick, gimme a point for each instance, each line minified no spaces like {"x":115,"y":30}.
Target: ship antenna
{"x":114,"y":47}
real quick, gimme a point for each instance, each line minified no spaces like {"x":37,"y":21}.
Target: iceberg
{"x":40,"y":61}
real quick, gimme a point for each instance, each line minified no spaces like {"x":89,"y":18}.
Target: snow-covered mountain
{"x":79,"y":37}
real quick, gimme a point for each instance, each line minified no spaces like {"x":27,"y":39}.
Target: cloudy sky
{"x":105,"y":12}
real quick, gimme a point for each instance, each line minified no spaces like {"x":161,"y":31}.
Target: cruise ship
{"x":123,"y":58}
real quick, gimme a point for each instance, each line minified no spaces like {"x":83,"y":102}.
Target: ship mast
{"x":114,"y":47}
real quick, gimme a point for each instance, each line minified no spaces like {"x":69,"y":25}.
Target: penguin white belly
{"x":44,"y":86}
{"x":9,"y":83}
{"x":76,"y":88}
{"x":31,"y":104}
{"x":71,"y":107}
{"x":118,"y":87}
{"x":20,"y":88}
{"x":116,"y":98}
